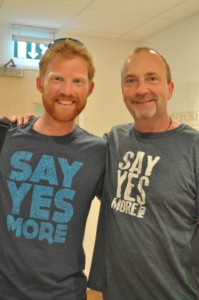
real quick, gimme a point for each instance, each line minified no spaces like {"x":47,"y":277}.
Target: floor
{"x":93,"y":295}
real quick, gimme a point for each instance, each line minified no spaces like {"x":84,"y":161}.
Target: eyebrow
{"x":129,"y":76}
{"x":146,"y":74}
{"x":152,"y":73}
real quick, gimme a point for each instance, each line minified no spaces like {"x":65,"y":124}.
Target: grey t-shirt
{"x":148,"y":222}
{"x":46,"y":188}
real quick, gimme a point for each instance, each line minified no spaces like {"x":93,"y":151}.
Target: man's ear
{"x":91,"y":87}
{"x":171,"y":88}
{"x":39,"y":84}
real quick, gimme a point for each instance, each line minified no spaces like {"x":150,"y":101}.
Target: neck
{"x":170,"y":124}
{"x":53,"y":127}
{"x":161,"y":125}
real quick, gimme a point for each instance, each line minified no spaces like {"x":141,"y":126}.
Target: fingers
{"x":22,"y":119}
{"x":25,"y":119}
{"x":6,"y":118}
{"x":19,"y":119}
{"x":13,"y":119}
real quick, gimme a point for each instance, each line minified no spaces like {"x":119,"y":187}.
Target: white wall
{"x":106,"y":108}
{"x":180,"y":46}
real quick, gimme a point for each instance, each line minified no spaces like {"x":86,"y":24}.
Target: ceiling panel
{"x":36,"y":14}
{"x":149,"y":28}
{"x":121,"y":19}
{"x":79,"y":3}
{"x":186,"y":9}
{"x":135,"y":7}
{"x":106,"y":21}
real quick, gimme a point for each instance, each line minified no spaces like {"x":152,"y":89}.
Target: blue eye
{"x":152,"y":78}
{"x":130,"y":81}
{"x":79,"y":81}
{"x":57,"y":78}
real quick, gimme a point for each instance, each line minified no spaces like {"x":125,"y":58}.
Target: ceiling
{"x":118,"y":19}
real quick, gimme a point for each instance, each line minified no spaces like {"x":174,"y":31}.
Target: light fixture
{"x":31,"y":39}
{"x":34,"y":28}
{"x":34,"y":34}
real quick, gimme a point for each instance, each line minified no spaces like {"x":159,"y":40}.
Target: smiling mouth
{"x":65,"y":103}
{"x":144,"y":102}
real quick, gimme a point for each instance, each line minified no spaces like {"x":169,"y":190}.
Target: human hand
{"x":19,"y":119}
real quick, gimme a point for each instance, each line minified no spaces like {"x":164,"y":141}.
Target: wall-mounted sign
{"x":190,"y":117}
{"x":29,"y":50}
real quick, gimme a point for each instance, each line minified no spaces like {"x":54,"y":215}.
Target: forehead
{"x":143,"y":63}
{"x":65,"y":64}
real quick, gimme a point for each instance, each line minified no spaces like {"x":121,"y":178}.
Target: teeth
{"x":65,"y":102}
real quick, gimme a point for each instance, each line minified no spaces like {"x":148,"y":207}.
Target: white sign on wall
{"x":184,"y":105}
{"x":29,"y":50}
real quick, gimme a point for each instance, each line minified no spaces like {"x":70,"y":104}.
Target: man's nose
{"x":142,"y":87}
{"x":66,"y":88}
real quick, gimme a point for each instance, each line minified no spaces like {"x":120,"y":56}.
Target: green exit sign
{"x":29,"y":50}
